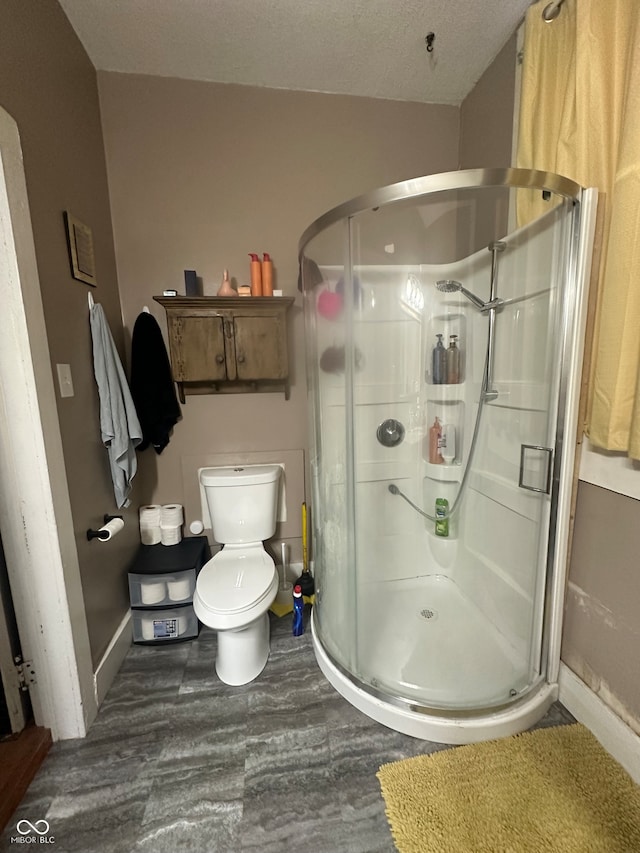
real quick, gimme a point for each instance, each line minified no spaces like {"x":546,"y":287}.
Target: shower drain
{"x":428,"y":614}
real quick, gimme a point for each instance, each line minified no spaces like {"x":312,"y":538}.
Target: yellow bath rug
{"x":553,"y":790}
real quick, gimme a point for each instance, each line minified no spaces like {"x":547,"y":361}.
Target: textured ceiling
{"x":374,"y":48}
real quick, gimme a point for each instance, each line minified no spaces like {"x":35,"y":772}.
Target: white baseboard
{"x":112,"y":659}
{"x":616,"y":737}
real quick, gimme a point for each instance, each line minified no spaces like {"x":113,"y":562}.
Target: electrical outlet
{"x":64,"y":380}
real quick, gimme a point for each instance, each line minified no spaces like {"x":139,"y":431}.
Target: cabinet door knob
{"x":219,"y":358}
{"x":240,"y":359}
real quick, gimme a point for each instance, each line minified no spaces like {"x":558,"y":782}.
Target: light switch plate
{"x":64,"y":380}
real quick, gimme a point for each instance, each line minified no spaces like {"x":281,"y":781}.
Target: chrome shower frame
{"x":464,"y":726}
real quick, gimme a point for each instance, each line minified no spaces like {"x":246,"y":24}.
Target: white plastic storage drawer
{"x":162,"y":626}
{"x":147,"y":590}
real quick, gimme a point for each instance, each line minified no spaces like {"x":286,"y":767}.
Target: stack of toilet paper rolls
{"x":150,"y":524}
{"x":161,"y":524}
{"x":171,"y":520}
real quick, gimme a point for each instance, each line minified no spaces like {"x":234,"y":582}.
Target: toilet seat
{"x":236,"y":580}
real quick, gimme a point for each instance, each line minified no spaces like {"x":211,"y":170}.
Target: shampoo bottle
{"x":453,"y":361}
{"x":435,"y":436}
{"x":267,"y":275}
{"x":439,"y":363}
{"x":256,"y":275}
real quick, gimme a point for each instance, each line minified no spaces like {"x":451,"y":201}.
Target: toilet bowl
{"x":235,"y":589}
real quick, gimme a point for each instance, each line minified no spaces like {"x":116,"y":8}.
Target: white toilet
{"x":235,"y":588}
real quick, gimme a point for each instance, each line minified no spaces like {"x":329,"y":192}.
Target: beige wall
{"x":48,"y":85}
{"x":601,"y":641}
{"x":486,"y":115}
{"x":200,"y":174}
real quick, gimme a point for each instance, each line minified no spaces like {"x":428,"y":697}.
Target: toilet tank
{"x":242,"y":501}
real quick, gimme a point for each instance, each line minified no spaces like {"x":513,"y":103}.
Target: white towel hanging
{"x":90,"y":300}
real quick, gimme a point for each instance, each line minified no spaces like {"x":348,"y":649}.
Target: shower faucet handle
{"x":390,"y":433}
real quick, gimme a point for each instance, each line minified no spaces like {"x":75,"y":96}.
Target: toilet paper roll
{"x":150,"y":535}
{"x":153,"y":593}
{"x":150,"y":513}
{"x":170,"y":535}
{"x":171,"y":515}
{"x":179,"y":590}
{"x":147,"y":629}
{"x":110,"y":529}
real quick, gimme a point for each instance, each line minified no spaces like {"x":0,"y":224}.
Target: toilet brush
{"x":306,"y":578}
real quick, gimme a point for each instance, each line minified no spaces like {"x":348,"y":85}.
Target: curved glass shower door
{"x":442,"y":613}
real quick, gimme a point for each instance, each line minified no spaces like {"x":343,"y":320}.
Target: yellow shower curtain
{"x":580,"y":117}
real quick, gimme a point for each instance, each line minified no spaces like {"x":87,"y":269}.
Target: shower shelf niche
{"x":447,"y":412}
{"x":445,"y":325}
{"x":443,"y":472}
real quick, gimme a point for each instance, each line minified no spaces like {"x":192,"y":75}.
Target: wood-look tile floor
{"x":177,"y":761}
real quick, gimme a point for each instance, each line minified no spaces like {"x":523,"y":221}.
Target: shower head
{"x":448,"y":285}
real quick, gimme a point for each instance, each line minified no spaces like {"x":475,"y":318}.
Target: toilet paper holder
{"x":101,"y":534}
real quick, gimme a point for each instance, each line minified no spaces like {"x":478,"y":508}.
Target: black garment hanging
{"x":152,"y":387}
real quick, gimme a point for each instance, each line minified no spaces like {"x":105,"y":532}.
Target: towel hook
{"x":145,"y":308}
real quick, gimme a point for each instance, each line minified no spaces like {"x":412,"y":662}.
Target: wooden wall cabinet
{"x":228,"y":343}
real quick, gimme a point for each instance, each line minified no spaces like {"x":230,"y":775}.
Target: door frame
{"x":35,"y":511}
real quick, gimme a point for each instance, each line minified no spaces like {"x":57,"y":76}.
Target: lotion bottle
{"x":256,"y":275}
{"x":267,"y":275}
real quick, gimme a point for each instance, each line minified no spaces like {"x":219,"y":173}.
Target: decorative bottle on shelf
{"x":435,"y":437}
{"x":439,"y":363}
{"x":453,"y":361}
{"x":256,"y":275}
{"x":298,"y":611}
{"x":267,"y":275}
{"x":226,"y":288}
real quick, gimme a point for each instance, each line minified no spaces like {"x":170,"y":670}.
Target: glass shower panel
{"x":429,"y":618}
{"x":511,"y":483}
{"x":327,"y":338}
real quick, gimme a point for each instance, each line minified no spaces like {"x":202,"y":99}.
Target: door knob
{"x":219,"y":359}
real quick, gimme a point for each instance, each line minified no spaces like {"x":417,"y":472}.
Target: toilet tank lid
{"x":238,"y":475}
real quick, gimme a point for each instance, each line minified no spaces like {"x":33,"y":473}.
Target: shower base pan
{"x":407,"y":715}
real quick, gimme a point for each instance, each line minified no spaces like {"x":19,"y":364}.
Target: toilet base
{"x":243,"y":654}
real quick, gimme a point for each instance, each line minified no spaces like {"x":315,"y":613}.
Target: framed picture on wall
{"x":81,"y":257}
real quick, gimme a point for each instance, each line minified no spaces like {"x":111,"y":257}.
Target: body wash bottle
{"x":442,"y":517}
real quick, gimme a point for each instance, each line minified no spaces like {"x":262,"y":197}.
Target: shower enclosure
{"x":441,"y":483}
